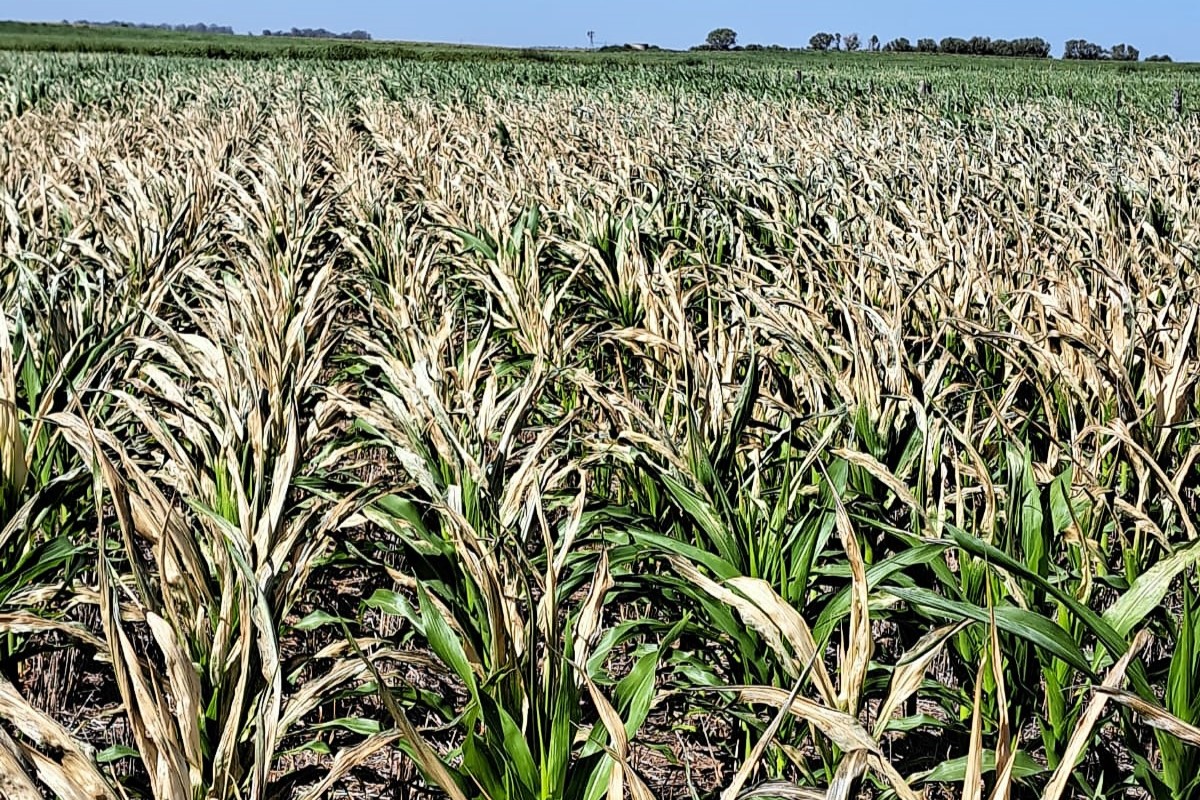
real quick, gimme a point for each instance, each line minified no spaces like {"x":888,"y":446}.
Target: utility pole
{"x":591,"y":40}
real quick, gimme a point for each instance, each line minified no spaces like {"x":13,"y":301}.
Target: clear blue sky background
{"x":1154,"y":26}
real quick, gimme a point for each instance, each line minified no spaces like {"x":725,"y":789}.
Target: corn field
{"x":528,"y":431}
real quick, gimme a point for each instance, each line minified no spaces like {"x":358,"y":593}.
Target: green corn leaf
{"x":1034,"y":628}
{"x":838,"y":608}
{"x":1149,"y":589}
{"x":635,"y":692}
{"x":315,"y":746}
{"x":704,"y":515}
{"x":913,"y":723}
{"x":720,"y":567}
{"x":476,"y":244}
{"x":446,"y":644}
{"x":1032,"y":533}
{"x":318,"y":619}
{"x":743,"y":410}
{"x":1111,"y":639}
{"x":116,"y":753}
{"x":397,"y":605}
{"x":955,"y":770}
{"x":517,"y":759}
{"x":364,"y":727}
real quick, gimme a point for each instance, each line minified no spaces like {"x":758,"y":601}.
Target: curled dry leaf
{"x":760,"y":747}
{"x":910,"y":671}
{"x":15,"y":782}
{"x":618,"y":749}
{"x":1095,"y":708}
{"x":588,"y":626}
{"x":66,"y":765}
{"x":841,"y":728}
{"x":781,"y":790}
{"x":1154,"y":715}
{"x":780,"y":625}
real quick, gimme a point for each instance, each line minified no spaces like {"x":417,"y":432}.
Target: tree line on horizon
{"x":1026,"y":47}
{"x":725,"y":39}
{"x":202,"y":27}
{"x":319,"y":33}
{"x":196,"y":27}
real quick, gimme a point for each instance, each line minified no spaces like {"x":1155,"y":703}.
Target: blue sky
{"x":1154,"y":26}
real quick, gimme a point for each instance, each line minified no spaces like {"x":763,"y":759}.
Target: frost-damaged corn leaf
{"x":28,"y":622}
{"x":619,"y":751}
{"x":973,"y":779}
{"x":71,"y":773}
{"x":841,"y":728}
{"x":1154,"y":715}
{"x":15,"y":783}
{"x":883,"y":475}
{"x":185,"y":689}
{"x":781,"y":790}
{"x":860,"y":642}
{"x":793,"y":628}
{"x":893,"y":778}
{"x":12,"y":441}
{"x":1003,"y":732}
{"x":762,"y":609}
{"x":760,"y":747}
{"x":411,"y":741}
{"x":910,"y":671}
{"x":155,"y":736}
{"x":848,"y":773}
{"x":349,"y":759}
{"x":588,"y":626}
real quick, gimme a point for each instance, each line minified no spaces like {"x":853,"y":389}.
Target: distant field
{"x":53,"y":37}
{"x":57,"y":37}
{"x":81,"y":64}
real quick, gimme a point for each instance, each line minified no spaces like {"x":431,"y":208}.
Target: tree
{"x":852,"y":42}
{"x":1163,"y":59}
{"x":821,"y":41}
{"x":837,"y":41}
{"x":979,"y":46}
{"x":953,"y":46}
{"x":1020,"y":48}
{"x":899,"y":45}
{"x":721,"y":39}
{"x":319,"y":33}
{"x":874,"y":43}
{"x":1125,"y":52}
{"x":1035,"y":47}
{"x":926,"y":46}
{"x":198,"y":27}
{"x":1083,"y":50}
